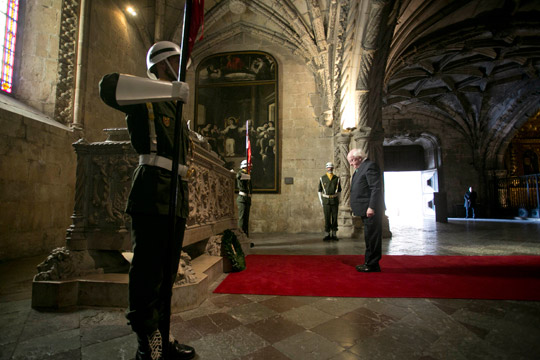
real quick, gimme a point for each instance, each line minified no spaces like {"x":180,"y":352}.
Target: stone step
{"x":111,"y":290}
{"x":209,"y":265}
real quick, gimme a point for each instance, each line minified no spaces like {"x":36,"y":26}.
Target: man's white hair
{"x":356,"y":153}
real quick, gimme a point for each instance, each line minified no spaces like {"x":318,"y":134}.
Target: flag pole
{"x":178,"y":134}
{"x":248,"y":149}
{"x":248,"y":159}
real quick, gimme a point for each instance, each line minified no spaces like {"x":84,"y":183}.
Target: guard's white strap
{"x":243,"y":193}
{"x":322,"y":184}
{"x":152,"y":129}
{"x":324,"y":189}
{"x":330,"y":196}
{"x":162,"y":162}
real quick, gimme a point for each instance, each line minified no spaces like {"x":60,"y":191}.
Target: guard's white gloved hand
{"x":180,"y":91}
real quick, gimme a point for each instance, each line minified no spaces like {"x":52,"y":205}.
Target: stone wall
{"x":37,"y":184}
{"x":113,"y":46}
{"x":36,"y":76}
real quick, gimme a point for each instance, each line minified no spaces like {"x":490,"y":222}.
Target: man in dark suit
{"x":470,"y":202}
{"x":367,"y":201}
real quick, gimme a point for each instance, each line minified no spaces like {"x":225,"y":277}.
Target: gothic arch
{"x":501,"y":140}
{"x":430,"y":143}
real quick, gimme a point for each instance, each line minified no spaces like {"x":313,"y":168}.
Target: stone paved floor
{"x":286,"y":327}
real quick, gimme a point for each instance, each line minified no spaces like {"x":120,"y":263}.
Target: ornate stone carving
{"x":344,"y":216}
{"x":104,"y":172}
{"x":185,"y":274}
{"x":64,"y":264}
{"x":209,"y":192}
{"x":67,"y":53}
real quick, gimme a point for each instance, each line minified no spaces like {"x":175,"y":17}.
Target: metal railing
{"x":518,"y":196}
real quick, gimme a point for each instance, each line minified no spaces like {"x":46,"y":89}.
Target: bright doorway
{"x":409,"y":195}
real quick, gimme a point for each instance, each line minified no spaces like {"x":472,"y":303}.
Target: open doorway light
{"x":403,"y":196}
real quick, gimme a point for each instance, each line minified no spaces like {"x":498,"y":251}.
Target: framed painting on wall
{"x":234,"y":92}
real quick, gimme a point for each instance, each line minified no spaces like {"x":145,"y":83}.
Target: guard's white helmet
{"x":329,"y":165}
{"x":243,"y":164}
{"x":160,"y":51}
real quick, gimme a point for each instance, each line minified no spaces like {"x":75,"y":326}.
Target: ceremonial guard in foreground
{"x":151,"y":127}
{"x":329,"y":194}
{"x":243,"y":181}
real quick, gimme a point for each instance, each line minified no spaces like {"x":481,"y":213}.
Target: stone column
{"x":75,"y":234}
{"x":345,"y":223}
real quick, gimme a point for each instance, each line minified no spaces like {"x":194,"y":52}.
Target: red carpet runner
{"x":452,"y":277}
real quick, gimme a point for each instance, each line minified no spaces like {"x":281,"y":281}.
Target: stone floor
{"x":286,"y":327}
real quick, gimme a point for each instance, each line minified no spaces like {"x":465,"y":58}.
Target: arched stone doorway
{"x":419,"y":153}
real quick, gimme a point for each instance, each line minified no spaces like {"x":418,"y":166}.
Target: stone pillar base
{"x":345,"y":223}
{"x":386,"y":233}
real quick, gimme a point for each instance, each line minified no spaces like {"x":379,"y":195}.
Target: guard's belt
{"x":162,"y":162}
{"x":330,"y":196}
{"x":243,"y":193}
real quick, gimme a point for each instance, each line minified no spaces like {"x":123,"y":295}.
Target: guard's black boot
{"x":179,"y":351}
{"x":150,"y":346}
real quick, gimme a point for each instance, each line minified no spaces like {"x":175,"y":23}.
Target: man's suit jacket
{"x":366,"y":189}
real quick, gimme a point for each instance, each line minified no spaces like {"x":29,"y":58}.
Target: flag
{"x":248,"y":148}
{"x":197,"y":21}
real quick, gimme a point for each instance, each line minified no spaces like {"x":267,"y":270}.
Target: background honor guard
{"x":243,"y":181}
{"x":151,"y":129}
{"x":329,"y":194}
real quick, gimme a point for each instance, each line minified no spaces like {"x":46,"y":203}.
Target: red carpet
{"x":452,"y":277}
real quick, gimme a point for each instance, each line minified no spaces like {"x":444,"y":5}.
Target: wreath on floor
{"x":233,"y":250}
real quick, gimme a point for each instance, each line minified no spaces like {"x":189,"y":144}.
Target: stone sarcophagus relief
{"x":104,"y":172}
{"x":92,"y":268}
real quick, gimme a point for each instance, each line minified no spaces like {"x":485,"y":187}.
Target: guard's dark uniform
{"x":330,"y":189}
{"x":148,"y":205}
{"x":243,"y":200}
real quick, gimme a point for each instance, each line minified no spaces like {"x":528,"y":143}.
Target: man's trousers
{"x":330,"y":217}
{"x":243,"y":214}
{"x":373,"y":239}
{"x":152,"y":251}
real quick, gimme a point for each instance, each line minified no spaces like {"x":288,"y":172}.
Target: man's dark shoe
{"x":327,"y":238}
{"x":365,"y":268}
{"x":179,"y":351}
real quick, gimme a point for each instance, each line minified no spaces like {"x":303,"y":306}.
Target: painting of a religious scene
{"x":236,"y":100}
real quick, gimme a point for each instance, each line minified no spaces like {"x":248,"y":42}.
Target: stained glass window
{"x":9,"y":10}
